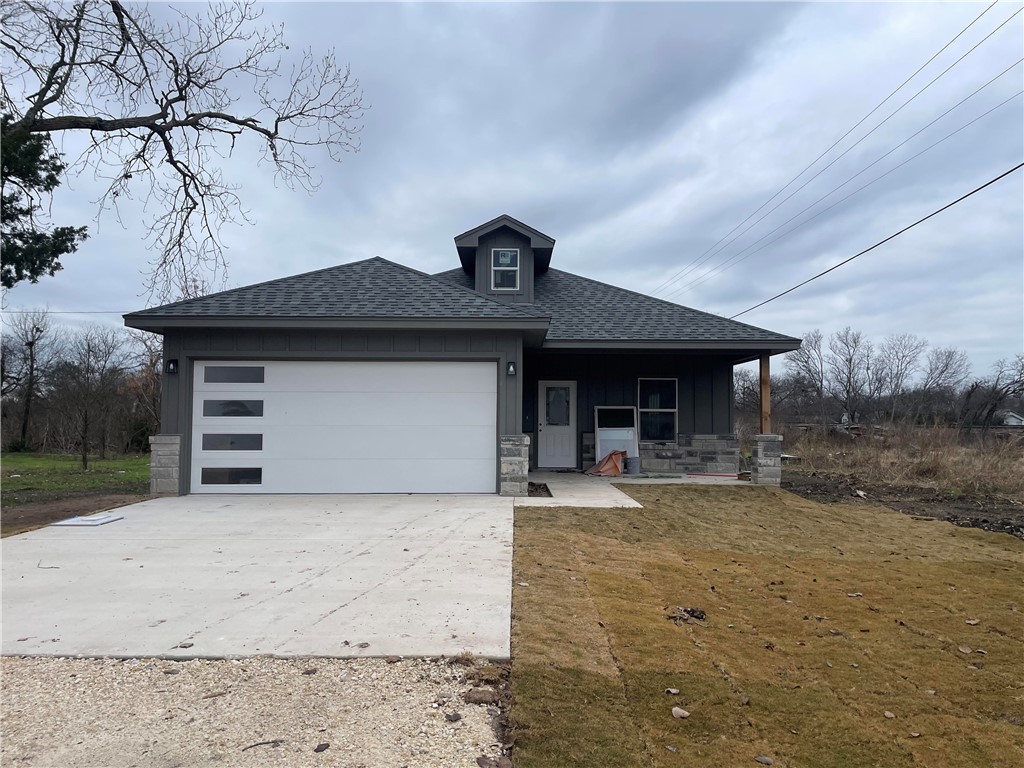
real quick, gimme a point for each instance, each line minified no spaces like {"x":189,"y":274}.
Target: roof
{"x":372,"y":289}
{"x":585,"y":310}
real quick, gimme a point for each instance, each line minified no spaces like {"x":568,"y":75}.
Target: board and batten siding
{"x":705,"y":393}
{"x":187,"y":346}
{"x":505,"y":238}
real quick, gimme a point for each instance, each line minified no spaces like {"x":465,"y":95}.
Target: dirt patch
{"x":27,"y":517}
{"x":986,"y":512}
{"x":540,"y":489}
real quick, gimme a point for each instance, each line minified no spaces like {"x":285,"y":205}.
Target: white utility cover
{"x":355,"y":427}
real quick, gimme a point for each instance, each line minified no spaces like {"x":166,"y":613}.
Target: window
{"x":232,"y":476}
{"x":505,"y":269}
{"x":657,"y":401}
{"x":232,"y":442}
{"x":233,"y":374}
{"x":232,"y":407}
{"x":615,"y":430}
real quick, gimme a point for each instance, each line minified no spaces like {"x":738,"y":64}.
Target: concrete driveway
{"x":222,"y":576}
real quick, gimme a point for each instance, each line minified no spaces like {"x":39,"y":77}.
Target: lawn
{"x":820,"y":621}
{"x":38,"y":489}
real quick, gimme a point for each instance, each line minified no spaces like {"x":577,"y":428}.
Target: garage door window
{"x":233,"y":374}
{"x":232,"y":407}
{"x":232,"y":442}
{"x":232,"y":476}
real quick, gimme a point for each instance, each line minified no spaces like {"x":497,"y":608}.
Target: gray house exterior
{"x":374,"y":377}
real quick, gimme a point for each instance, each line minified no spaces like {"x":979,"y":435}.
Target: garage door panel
{"x":354,"y":409}
{"x":372,"y":442}
{"x":346,"y":427}
{"x":367,"y":476}
{"x":384,"y":376}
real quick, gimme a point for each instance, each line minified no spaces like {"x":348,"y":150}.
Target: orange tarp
{"x":610,"y":465}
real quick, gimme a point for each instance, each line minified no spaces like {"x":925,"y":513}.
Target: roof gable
{"x":541,"y":244}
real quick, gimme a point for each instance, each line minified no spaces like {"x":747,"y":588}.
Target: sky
{"x":642,"y":137}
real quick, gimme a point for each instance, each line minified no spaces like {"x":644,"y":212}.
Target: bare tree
{"x":984,"y":397}
{"x":142,"y":389}
{"x":163,"y":99}
{"x":847,"y":366}
{"x":29,"y":349}
{"x":808,"y":364}
{"x":898,"y":359}
{"x":87,"y":383}
{"x":944,"y":372}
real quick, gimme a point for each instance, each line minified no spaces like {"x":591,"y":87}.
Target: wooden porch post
{"x":766,"y":396}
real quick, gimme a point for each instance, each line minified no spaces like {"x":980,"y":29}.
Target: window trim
{"x":515,"y":269}
{"x":641,"y":410}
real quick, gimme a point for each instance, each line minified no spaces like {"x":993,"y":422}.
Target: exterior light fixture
{"x":171,"y":368}
{"x":511,"y":370}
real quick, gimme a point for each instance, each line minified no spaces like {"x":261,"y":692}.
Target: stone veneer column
{"x":766,"y":461}
{"x":164,"y":465}
{"x":515,"y":464}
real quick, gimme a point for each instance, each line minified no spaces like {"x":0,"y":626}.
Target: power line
{"x":59,"y":312}
{"x":881,"y":242}
{"x":735,"y":258}
{"x":852,"y":146}
{"x":701,"y":259}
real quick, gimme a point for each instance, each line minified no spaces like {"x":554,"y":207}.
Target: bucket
{"x":632,"y":465}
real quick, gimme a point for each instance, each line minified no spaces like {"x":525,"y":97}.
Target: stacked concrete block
{"x":766,"y":460}
{"x":701,"y":454}
{"x":164,"y":465}
{"x":515,"y":464}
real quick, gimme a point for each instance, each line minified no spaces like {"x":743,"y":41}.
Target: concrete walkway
{"x":575,"y":489}
{"x":224,"y":576}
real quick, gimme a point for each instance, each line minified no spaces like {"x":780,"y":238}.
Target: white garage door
{"x":344,"y":427}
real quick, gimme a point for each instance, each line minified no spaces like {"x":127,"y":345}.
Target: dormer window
{"x":504,"y":269}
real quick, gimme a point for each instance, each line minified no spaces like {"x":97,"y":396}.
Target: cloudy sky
{"x":641,"y":137}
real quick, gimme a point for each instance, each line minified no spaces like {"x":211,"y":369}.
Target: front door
{"x":556,"y":424}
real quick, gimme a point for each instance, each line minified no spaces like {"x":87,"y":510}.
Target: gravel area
{"x":359,"y":713}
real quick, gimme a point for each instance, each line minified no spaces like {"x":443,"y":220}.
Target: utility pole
{"x":37,"y":333}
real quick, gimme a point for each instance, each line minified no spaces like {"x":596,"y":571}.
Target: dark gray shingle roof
{"x":582,"y":309}
{"x":374,"y":288}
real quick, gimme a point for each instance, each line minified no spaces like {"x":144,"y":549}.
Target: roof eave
{"x":158,"y":324}
{"x":753,"y":348}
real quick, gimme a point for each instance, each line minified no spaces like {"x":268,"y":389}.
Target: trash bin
{"x":632,"y":465}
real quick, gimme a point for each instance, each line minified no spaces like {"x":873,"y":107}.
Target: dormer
{"x":503,"y":256}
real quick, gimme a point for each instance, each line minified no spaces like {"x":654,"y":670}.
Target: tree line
{"x":90,"y":390}
{"x":847,"y":378}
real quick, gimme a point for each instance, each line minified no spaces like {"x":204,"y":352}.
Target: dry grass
{"x":931,"y":458}
{"x":593,"y":651}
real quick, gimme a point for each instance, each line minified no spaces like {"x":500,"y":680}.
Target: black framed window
{"x":232,"y":476}
{"x":247,"y":408}
{"x":505,"y":269}
{"x":226,"y":442}
{"x":658,"y":404}
{"x":233,"y":374}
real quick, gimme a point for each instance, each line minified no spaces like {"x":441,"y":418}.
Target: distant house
{"x":1009,"y":418}
{"x":372,"y":377}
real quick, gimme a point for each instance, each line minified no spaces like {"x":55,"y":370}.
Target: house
{"x":1008,"y":418}
{"x":372,"y":377}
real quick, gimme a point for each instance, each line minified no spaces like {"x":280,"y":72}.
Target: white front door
{"x":556,"y":424}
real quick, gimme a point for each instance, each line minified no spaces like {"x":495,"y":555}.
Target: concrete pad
{"x":278,"y":575}
{"x":575,"y":489}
